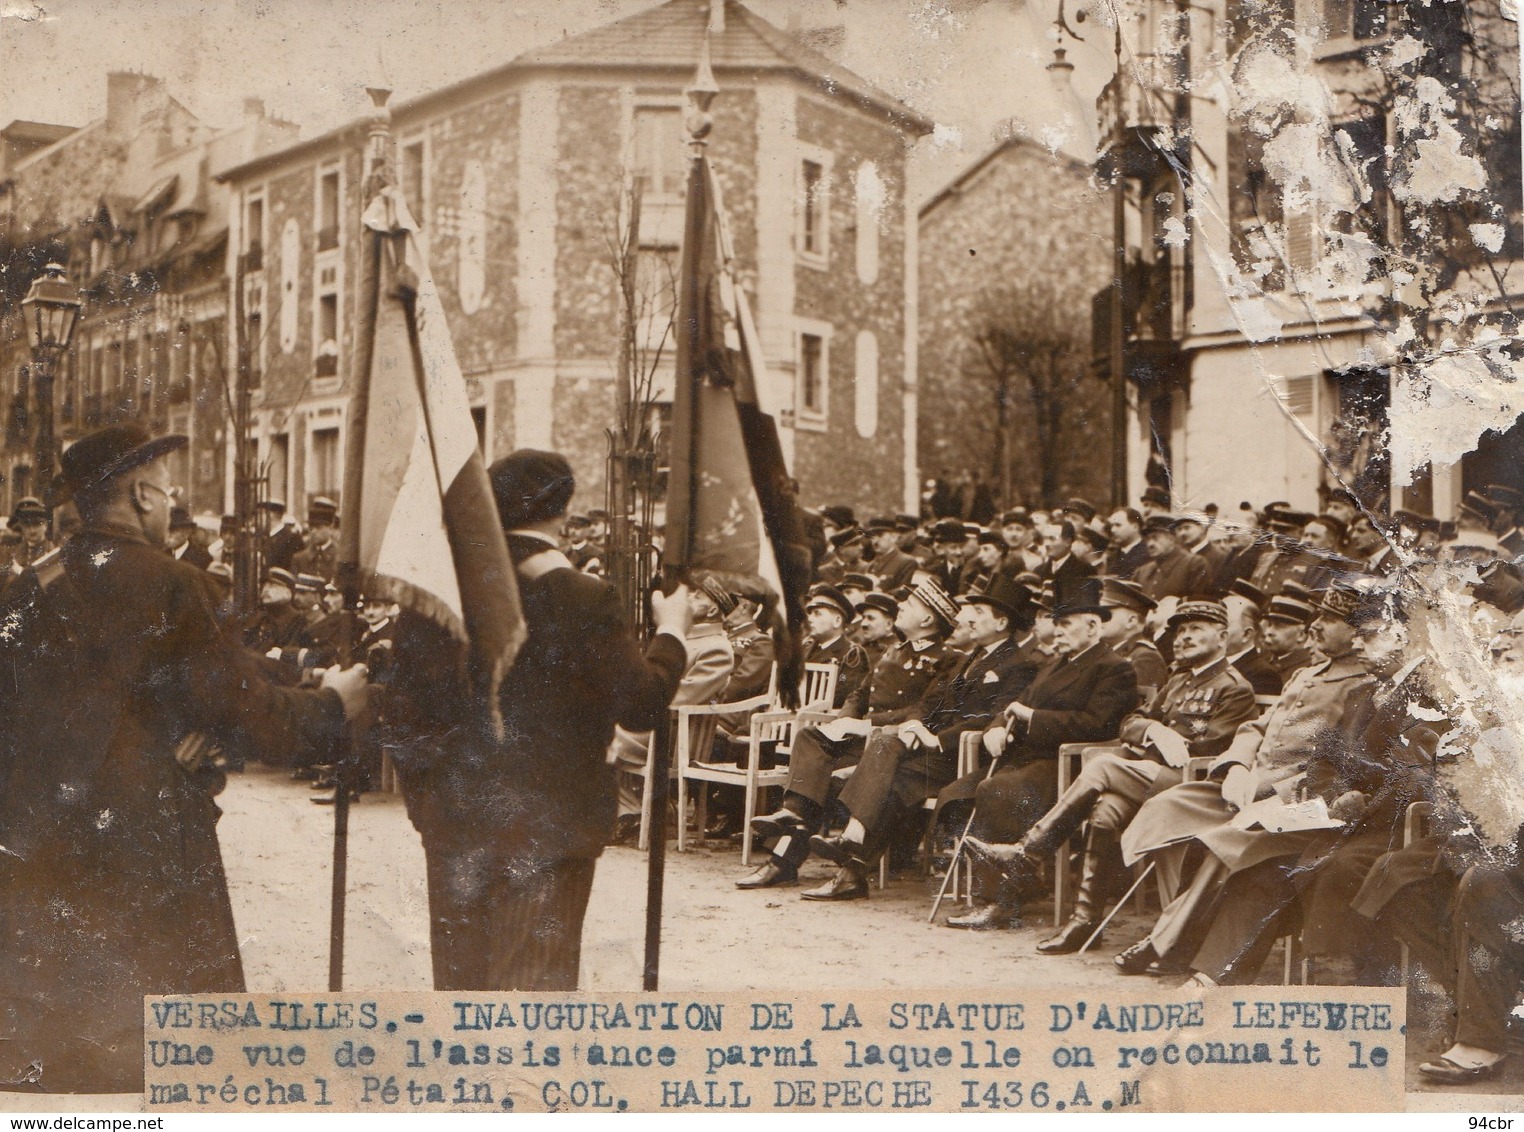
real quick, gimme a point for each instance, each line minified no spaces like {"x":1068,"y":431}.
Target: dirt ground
{"x":277,"y":848}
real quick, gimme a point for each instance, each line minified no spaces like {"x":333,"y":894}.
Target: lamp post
{"x":50,"y":309}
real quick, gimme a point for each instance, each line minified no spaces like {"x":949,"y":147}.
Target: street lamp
{"x":50,"y":310}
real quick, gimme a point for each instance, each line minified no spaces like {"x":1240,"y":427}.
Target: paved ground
{"x":278,"y":851}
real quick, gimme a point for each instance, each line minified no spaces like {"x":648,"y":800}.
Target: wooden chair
{"x":1414,"y":826}
{"x":1071,"y":760}
{"x":769,"y":725}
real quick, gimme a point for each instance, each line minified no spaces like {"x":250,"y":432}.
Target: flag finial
{"x":701,"y":93}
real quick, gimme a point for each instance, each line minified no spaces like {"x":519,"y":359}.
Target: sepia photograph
{"x":981,"y":540}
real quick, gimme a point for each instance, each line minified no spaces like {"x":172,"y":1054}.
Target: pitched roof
{"x":1005,"y":145}
{"x":672,"y":34}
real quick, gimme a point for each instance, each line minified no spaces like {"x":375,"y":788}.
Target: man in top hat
{"x":1264,"y":754}
{"x":904,"y":766}
{"x":320,"y":556}
{"x":106,"y":796}
{"x":1124,"y":632}
{"x":1128,"y":550}
{"x":886,"y":699}
{"x":1194,"y":715}
{"x":1171,"y":570}
{"x":29,"y":519}
{"x":1245,"y":606}
{"x":1285,"y":631}
{"x":828,"y":614}
{"x":512,"y":827}
{"x":947,"y":543}
{"x":283,"y":540}
{"x":875,"y":630}
{"x":181,"y":545}
{"x":891,"y":565}
{"x":1078,"y":697}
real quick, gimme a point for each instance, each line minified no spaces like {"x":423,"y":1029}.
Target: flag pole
{"x":348,"y":569}
{"x":688,"y":367}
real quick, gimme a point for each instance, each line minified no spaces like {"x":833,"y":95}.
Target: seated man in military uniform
{"x":1194,"y":715}
{"x":886,"y":699}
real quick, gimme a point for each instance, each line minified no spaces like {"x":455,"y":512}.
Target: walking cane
{"x":952,"y":864}
{"x":1126,"y":896}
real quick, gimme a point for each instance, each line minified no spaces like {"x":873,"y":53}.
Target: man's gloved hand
{"x":995,"y":740}
{"x":1239,"y":787}
{"x":350,"y":683}
{"x":671,"y":613}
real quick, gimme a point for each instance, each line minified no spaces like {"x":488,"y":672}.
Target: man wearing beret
{"x":512,"y":828}
{"x":112,"y":884}
{"x":1194,"y":715}
{"x":887,"y":698}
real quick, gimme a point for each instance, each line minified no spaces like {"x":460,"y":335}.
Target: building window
{"x":277,"y":468}
{"x":413,"y":164}
{"x":254,"y":328}
{"x":865,"y":381}
{"x":254,"y":233}
{"x":660,"y":160}
{"x":814,"y":235}
{"x":328,"y":199}
{"x":325,"y":329}
{"x":324,"y":475}
{"x":870,"y":196}
{"x":812,"y":374}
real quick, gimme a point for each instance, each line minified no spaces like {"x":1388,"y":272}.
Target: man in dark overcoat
{"x":513,"y":828}
{"x":111,"y":884}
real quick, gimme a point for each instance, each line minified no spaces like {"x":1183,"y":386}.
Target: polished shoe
{"x":1007,"y":855}
{"x":721,"y":827}
{"x":1069,"y":938}
{"x":838,"y":850}
{"x":626,"y":830}
{"x":1137,"y":959}
{"x":1443,"y":1071}
{"x":985,"y":918}
{"x":1167,"y":967}
{"x":770,"y":875}
{"x":848,"y":884}
{"x":780,"y":823}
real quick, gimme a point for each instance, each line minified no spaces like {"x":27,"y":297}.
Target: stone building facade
{"x":127,"y":205}
{"x":520,"y":178}
{"x":1010,"y":253}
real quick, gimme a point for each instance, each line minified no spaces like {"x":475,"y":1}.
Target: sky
{"x":968,"y":64}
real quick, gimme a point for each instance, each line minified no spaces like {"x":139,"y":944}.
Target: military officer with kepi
{"x":1195,"y":715}
{"x":828,"y":613}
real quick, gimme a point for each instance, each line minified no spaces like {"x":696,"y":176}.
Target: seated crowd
{"x":1248,"y":717}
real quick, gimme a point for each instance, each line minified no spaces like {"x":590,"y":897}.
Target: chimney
{"x":125,"y":93}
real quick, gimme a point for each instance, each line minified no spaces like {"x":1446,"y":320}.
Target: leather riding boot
{"x":1058,"y":823}
{"x":1089,"y":901}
